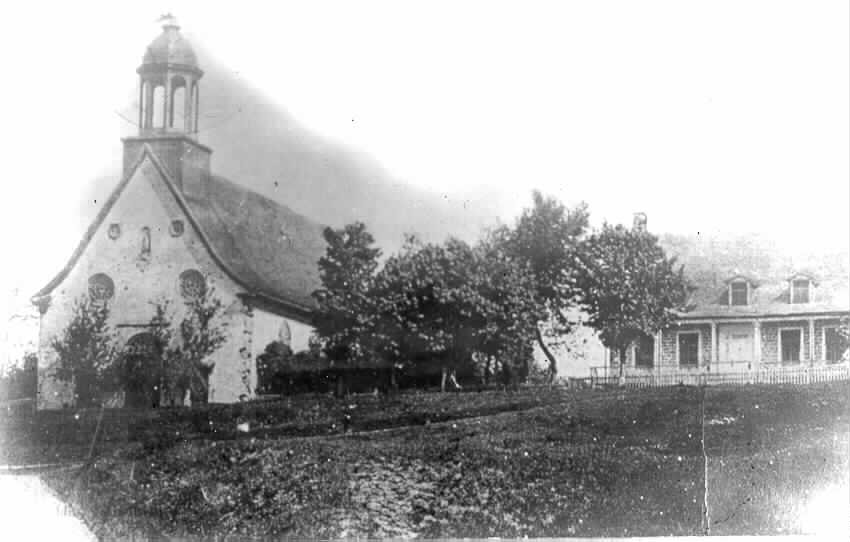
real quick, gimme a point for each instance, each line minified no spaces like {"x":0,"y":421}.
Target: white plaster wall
{"x":267,"y":327}
{"x":146,"y":201}
{"x":576,"y":353}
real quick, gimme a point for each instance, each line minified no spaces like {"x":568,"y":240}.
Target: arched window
{"x":101,"y":287}
{"x":285,"y":335}
{"x":145,"y":252}
{"x":158,"y":112}
{"x":193,"y":285}
{"x":196,"y":98}
{"x":178,"y":102}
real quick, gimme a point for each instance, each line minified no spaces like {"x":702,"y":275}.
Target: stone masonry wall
{"x":145,"y":202}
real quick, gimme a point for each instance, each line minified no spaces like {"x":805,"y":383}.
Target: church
{"x":171,"y":229}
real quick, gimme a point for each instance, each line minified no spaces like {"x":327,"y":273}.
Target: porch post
{"x":659,"y":351}
{"x":713,"y":345}
{"x":757,"y":339}
{"x":811,"y":341}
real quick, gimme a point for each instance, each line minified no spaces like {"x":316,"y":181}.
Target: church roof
{"x":272,"y":248}
{"x":264,"y":246}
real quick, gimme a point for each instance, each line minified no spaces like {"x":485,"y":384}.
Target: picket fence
{"x":761,"y":375}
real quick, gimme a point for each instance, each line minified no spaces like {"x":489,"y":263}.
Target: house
{"x":172,"y":229}
{"x":742,"y":322}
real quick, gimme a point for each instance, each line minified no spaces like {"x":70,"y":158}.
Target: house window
{"x":101,"y":287}
{"x":688,"y":344}
{"x":645,"y":351}
{"x":834,"y":345}
{"x":192,"y":284}
{"x":790,"y":345}
{"x":800,"y":291}
{"x":738,"y":293}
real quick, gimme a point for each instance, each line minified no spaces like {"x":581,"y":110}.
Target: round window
{"x":101,"y":287}
{"x":192,"y":284}
{"x":176,"y":228}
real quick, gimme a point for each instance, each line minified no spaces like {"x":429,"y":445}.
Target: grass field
{"x":679,"y":461}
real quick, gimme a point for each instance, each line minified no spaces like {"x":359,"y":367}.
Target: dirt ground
{"x":678,"y":461}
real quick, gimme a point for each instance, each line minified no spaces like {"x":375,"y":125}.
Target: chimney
{"x":639,"y":224}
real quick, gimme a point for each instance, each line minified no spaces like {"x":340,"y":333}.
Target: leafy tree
{"x":86,"y":353}
{"x":342,"y":319}
{"x":346,"y":272}
{"x":271,"y":364}
{"x":628,"y":285}
{"x":19,"y":380}
{"x":186,"y":350}
{"x":545,"y":238}
{"x":452,"y":304}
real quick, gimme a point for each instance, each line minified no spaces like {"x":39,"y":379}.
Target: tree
{"x":453,"y":304}
{"x":186,"y":350}
{"x":271,"y":366}
{"x":545,"y":238}
{"x":628,"y":286}
{"x":342,"y":318}
{"x":18,"y":381}
{"x":86,"y":353}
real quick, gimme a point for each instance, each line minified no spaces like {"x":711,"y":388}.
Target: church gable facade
{"x":171,"y":228}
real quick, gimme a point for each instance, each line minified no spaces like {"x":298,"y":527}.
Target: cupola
{"x":169,"y":109}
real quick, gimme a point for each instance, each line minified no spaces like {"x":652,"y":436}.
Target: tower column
{"x":166,"y":103}
{"x":149,"y":90}
{"x":196,"y":90}
{"x":187,"y":107}
{"x":141,"y":102}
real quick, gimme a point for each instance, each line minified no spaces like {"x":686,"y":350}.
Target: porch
{"x":752,"y":350}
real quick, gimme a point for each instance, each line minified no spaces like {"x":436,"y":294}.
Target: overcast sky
{"x":709,"y":116}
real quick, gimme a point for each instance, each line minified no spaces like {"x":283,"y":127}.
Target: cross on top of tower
{"x":168,"y":21}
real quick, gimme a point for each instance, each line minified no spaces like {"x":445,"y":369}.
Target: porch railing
{"x":765,"y":374}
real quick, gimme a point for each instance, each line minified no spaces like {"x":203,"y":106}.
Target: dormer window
{"x":800,"y":290}
{"x":739,"y":293}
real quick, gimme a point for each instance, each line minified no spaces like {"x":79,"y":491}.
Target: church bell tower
{"x":168,"y":110}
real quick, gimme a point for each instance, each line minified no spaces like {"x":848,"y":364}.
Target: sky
{"x":714,"y":116}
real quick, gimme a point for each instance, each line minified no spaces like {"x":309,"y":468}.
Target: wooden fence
{"x":761,"y":375}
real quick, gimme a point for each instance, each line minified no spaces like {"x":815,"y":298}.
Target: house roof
{"x":710,"y":260}
{"x":262,"y":245}
{"x":710,"y":299}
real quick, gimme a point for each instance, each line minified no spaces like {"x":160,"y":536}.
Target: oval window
{"x":193,"y":285}
{"x":101,"y":287}
{"x":176,"y":228}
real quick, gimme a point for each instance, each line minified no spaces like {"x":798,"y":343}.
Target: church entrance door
{"x":142,"y":372}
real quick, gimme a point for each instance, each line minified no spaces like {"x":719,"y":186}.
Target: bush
{"x":19,"y":380}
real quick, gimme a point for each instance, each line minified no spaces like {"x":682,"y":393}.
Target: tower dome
{"x":170,"y":47}
{"x":169,"y":108}
{"x":168,"y":86}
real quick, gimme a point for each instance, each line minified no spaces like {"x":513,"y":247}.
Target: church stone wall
{"x":267,"y":327}
{"x":142,"y":279}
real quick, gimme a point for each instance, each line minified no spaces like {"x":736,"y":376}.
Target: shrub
{"x":19,"y":380}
